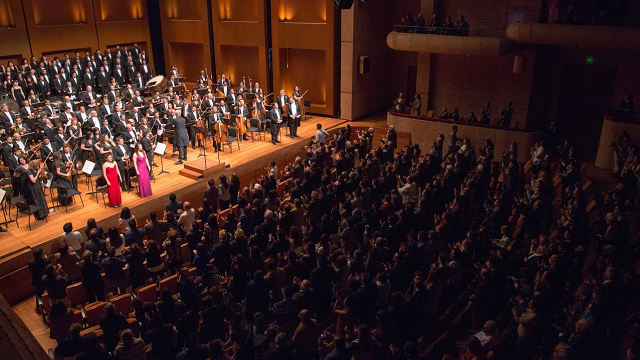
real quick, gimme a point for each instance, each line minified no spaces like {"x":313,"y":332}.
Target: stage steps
{"x":196,"y":169}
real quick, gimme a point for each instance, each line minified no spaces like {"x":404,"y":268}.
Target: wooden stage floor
{"x":16,"y":244}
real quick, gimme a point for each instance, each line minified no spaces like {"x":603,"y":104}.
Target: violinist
{"x":282,"y":100}
{"x":105,"y":129}
{"x":296,"y":94}
{"x":130,"y":137}
{"x":121,"y":156}
{"x":103,"y":147}
{"x":74,"y":130}
{"x":214,"y":119}
{"x":203,"y":79}
{"x":242,"y":88}
{"x":63,"y":164}
{"x":46,"y":149}
{"x":33,"y":189}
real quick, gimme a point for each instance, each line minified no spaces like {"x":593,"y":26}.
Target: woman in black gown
{"x":34,"y":193}
{"x":62,"y":174}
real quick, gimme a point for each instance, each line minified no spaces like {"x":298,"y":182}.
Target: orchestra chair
{"x":23,"y":207}
{"x":306,"y":105}
{"x":12,"y":200}
{"x":147,"y":293}
{"x":68,"y":194}
{"x":101,"y":188}
{"x":77,"y":295}
{"x":232,"y":135}
{"x":170,"y":283}
{"x":50,"y":184}
{"x":92,"y":313}
{"x":254,"y":127}
{"x":122,"y":303}
{"x":133,"y":178}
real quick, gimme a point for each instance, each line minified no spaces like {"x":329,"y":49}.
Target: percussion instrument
{"x":158,"y":83}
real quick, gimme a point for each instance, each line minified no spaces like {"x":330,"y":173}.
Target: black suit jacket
{"x":118,"y":154}
{"x":58,"y":140}
{"x":86,"y":99}
{"x":23,"y":112}
{"x":7,"y":120}
{"x":44,"y":151}
{"x":87,"y":80}
{"x":296,"y":105}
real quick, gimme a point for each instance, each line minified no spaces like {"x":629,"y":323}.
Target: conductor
{"x":182,"y":137}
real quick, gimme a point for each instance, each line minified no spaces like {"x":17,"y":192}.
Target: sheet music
{"x":88,"y":167}
{"x":160,"y":148}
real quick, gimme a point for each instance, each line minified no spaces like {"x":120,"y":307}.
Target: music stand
{"x":171,"y":135}
{"x":200,"y":130}
{"x":250,"y":95}
{"x":159,"y":150}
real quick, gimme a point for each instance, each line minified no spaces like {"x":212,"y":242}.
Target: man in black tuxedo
{"x":119,"y":75}
{"x":103,"y":80}
{"x":76,"y":83}
{"x":131,"y":72}
{"x":68,"y":103}
{"x":26,"y":110}
{"x":46,"y":149}
{"x":12,"y":163}
{"x":87,"y":78}
{"x":111,"y":94}
{"x":105,"y":129}
{"x":130,"y":137}
{"x":65,"y":117}
{"x":93,"y":121}
{"x":44,"y":88}
{"x":105,"y":109}
{"x":60,"y":139}
{"x":138,"y":100}
{"x":47,"y":108}
{"x":145,"y":71}
{"x":7,"y":118}
{"x":276,"y":120}
{"x":294,"y":114}
{"x":82,"y":115}
{"x":224,"y":109}
{"x":192,"y":117}
{"x":120,"y":126}
{"x":179,"y":124}
{"x":145,"y":140}
{"x":214,"y":119}
{"x":231,"y":98}
{"x":120,"y":155}
{"x":58,"y":85}
{"x":89,"y":97}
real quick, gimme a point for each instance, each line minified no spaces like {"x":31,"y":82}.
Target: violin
{"x":71,"y":170}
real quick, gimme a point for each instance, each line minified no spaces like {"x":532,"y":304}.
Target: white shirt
{"x":9,"y":116}
{"x":293,"y":109}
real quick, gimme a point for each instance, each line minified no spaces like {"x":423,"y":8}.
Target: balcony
{"x":592,"y":36}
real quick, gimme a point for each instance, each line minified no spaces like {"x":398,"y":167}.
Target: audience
{"x":401,"y":253}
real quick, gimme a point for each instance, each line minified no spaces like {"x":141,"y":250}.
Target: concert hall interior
{"x":319,"y":179}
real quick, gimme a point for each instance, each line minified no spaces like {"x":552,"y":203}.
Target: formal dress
{"x":35,"y":196}
{"x":114,"y":190}
{"x":143,"y":179}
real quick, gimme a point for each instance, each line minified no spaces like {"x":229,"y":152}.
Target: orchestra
{"x":71,"y":110}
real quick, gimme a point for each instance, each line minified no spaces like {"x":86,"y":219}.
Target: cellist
{"x":214,"y":119}
{"x":243,"y":111}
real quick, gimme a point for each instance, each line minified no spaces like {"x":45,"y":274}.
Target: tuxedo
{"x":293,"y":112}
{"x":45,"y":153}
{"x":243,"y":111}
{"x":224,"y":109}
{"x":135,"y":116}
{"x":208,"y":104}
{"x":172,"y":82}
{"x":131,"y":73}
{"x":118,"y":74}
{"x":214,"y":119}
{"x":75,"y":82}
{"x":82,"y":117}
{"x":87,"y":80}
{"x":48,"y":109}
{"x":111,"y":95}
{"x":103,"y":81}
{"x":139,"y":81}
{"x":282,"y":101}
{"x":104,"y":111}
{"x":145,"y":72}
{"x":60,"y":139}
{"x":44,"y":88}
{"x":58,"y":86}
{"x":65,"y":118}
{"x":130,"y":139}
{"x":88,"y":96}
{"x":120,"y":128}
{"x":231,"y":99}
{"x":128,"y":95}
{"x":276,"y":120}
{"x":68,"y":105}
{"x":119,"y":152}
{"x":191,"y":120}
{"x":71,"y":92}
{"x":25,"y":112}
{"x":106,"y":130}
{"x":138,"y":101}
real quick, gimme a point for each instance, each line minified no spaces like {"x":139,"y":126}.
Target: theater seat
{"x":92,"y":313}
{"x":170,"y":283}
{"x":147,"y":293}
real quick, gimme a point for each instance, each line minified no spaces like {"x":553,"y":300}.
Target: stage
{"x":248,"y":163}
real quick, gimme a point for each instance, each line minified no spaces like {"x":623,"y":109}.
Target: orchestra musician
{"x":224,"y":87}
{"x":66,"y":116}
{"x":105,"y":129}
{"x":148,"y":147}
{"x":203,"y":79}
{"x":48,"y":109}
{"x":89,"y":98}
{"x":68,"y":103}
{"x":275,"y":115}
{"x":192,"y":117}
{"x":209,"y":103}
{"x":121,"y":155}
{"x":214,"y":118}
{"x":105,"y":110}
{"x":294,"y":114}
{"x":46,"y":150}
{"x":173,"y":81}
{"x":243,"y":111}
{"x":224,"y":109}
{"x":232,"y":98}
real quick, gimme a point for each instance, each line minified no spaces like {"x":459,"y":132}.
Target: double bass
{"x":200,"y":123}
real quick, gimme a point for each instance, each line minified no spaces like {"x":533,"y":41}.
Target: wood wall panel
{"x":305,"y":27}
{"x":240,"y":42}
{"x":55,"y":27}
{"x":185,"y":27}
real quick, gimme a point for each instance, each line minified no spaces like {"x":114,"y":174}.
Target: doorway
{"x":583,"y":100}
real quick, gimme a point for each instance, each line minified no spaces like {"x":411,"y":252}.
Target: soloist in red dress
{"x":114,"y":190}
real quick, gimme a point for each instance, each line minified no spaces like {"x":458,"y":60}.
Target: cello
{"x":221,"y":130}
{"x":200,"y":123}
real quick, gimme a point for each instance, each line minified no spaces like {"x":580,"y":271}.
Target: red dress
{"x":114,"y":190}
